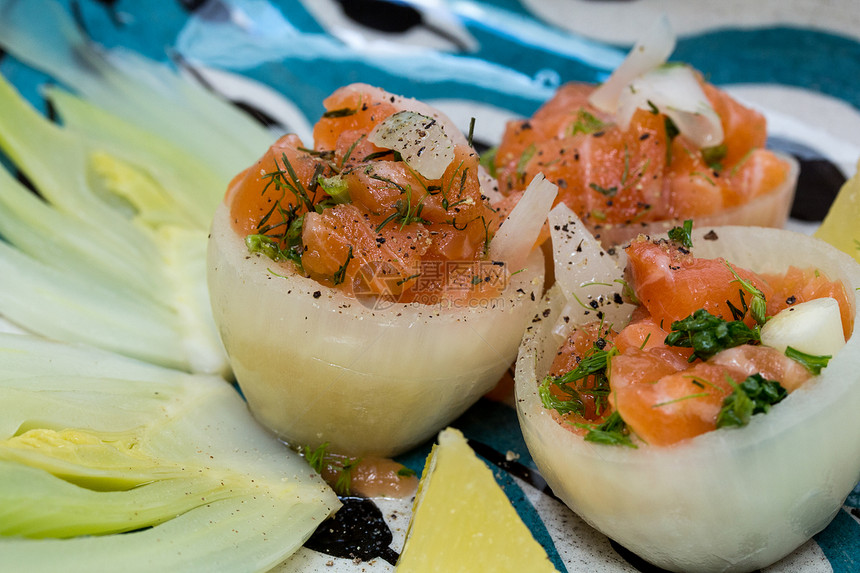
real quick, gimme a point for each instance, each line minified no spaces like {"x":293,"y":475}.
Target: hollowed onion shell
{"x":734,"y":499}
{"x":319,"y":366}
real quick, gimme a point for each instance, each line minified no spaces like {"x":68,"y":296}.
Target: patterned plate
{"x":797,"y":61}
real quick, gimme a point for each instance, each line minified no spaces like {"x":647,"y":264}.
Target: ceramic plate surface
{"x":797,"y":61}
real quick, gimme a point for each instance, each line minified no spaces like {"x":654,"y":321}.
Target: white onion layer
{"x":813,"y":327}
{"x":420,"y":140}
{"x":318,"y":366}
{"x":650,"y":52}
{"x":516,"y":238}
{"x":732,"y":499}
{"x":675,"y":91}
{"x":587,"y":275}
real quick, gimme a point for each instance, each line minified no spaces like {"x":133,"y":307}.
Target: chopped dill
{"x":682,"y":235}
{"x":488,"y":160}
{"x":681,"y":399}
{"x":340,"y":112}
{"x":405,"y":472}
{"x":612,"y":432}
{"x":608,"y":192}
{"x":758,"y":304}
{"x":755,"y":395}
{"x":524,"y":159}
{"x":405,"y":211}
{"x":349,"y":151}
{"x":321,"y":459}
{"x":672,"y":132}
{"x":585,"y":123}
{"x":340,"y":274}
{"x":403,"y":281}
{"x":594,"y":365}
{"x":471,"y":131}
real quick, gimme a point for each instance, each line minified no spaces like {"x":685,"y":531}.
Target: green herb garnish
{"x":755,"y":395}
{"x":340,"y":112}
{"x":609,"y":192}
{"x":286,"y":178}
{"x":812,"y":363}
{"x":405,"y":212}
{"x":672,"y":132}
{"x":270,"y":247}
{"x":682,"y":398}
{"x":585,"y":123}
{"x":707,"y":334}
{"x":340,"y":273}
{"x":320,"y":459}
{"x":758,"y":305}
{"x":595,"y":364}
{"x":343,"y":483}
{"x":316,"y":458}
{"x":713,"y":156}
{"x":524,"y":160}
{"x":682,"y":234}
{"x":573,"y":404}
{"x":471,"y":131}
{"x":405,"y":472}
{"x":488,"y":160}
{"x":612,"y":432}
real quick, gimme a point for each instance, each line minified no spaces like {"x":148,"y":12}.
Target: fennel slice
{"x":463,"y":521}
{"x":131,"y":279}
{"x":119,"y":445}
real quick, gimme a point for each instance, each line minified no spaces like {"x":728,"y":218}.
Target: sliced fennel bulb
{"x":87,"y":263}
{"x":113,"y":253}
{"x":92,"y":443}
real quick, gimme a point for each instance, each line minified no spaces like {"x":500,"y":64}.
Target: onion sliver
{"x":675,"y":91}
{"x":516,"y":238}
{"x":318,"y":366}
{"x":585,"y":272}
{"x":650,"y":52}
{"x":421,"y":141}
{"x":734,"y":499}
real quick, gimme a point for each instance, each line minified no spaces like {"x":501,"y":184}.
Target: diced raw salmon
{"x":644,"y":173}
{"x":391,"y":231}
{"x":672,"y":284}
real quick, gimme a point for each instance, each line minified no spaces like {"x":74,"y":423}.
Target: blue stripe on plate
{"x":840,"y":542}
{"x":805,"y":58}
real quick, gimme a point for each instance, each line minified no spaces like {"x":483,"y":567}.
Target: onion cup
{"x":734,"y":499}
{"x":370,"y":377}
